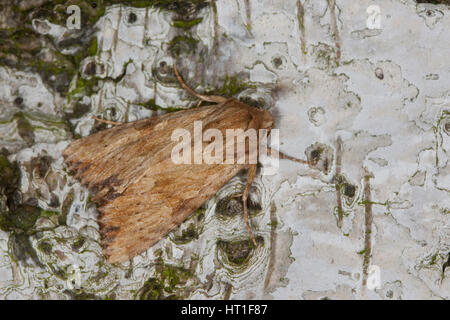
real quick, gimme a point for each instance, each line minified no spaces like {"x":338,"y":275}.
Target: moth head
{"x":266,"y":119}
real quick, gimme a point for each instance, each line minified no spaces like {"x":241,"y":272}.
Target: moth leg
{"x":281,"y":155}
{"x":114,"y":123}
{"x":250,"y":177}
{"x":216,"y":99}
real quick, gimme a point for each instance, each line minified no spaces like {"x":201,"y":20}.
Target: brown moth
{"x":140,"y":193}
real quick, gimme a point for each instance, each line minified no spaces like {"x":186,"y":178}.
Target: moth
{"x":141,"y":194}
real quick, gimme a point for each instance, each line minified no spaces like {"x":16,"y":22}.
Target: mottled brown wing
{"x":158,"y":203}
{"x":142,"y":194}
{"x":109,"y":160}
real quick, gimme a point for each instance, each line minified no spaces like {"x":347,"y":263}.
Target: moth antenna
{"x":216,"y":99}
{"x":114,"y":123}
{"x":281,"y":155}
{"x":250,"y":177}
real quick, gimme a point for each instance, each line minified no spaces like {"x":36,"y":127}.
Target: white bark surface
{"x":373,"y":99}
